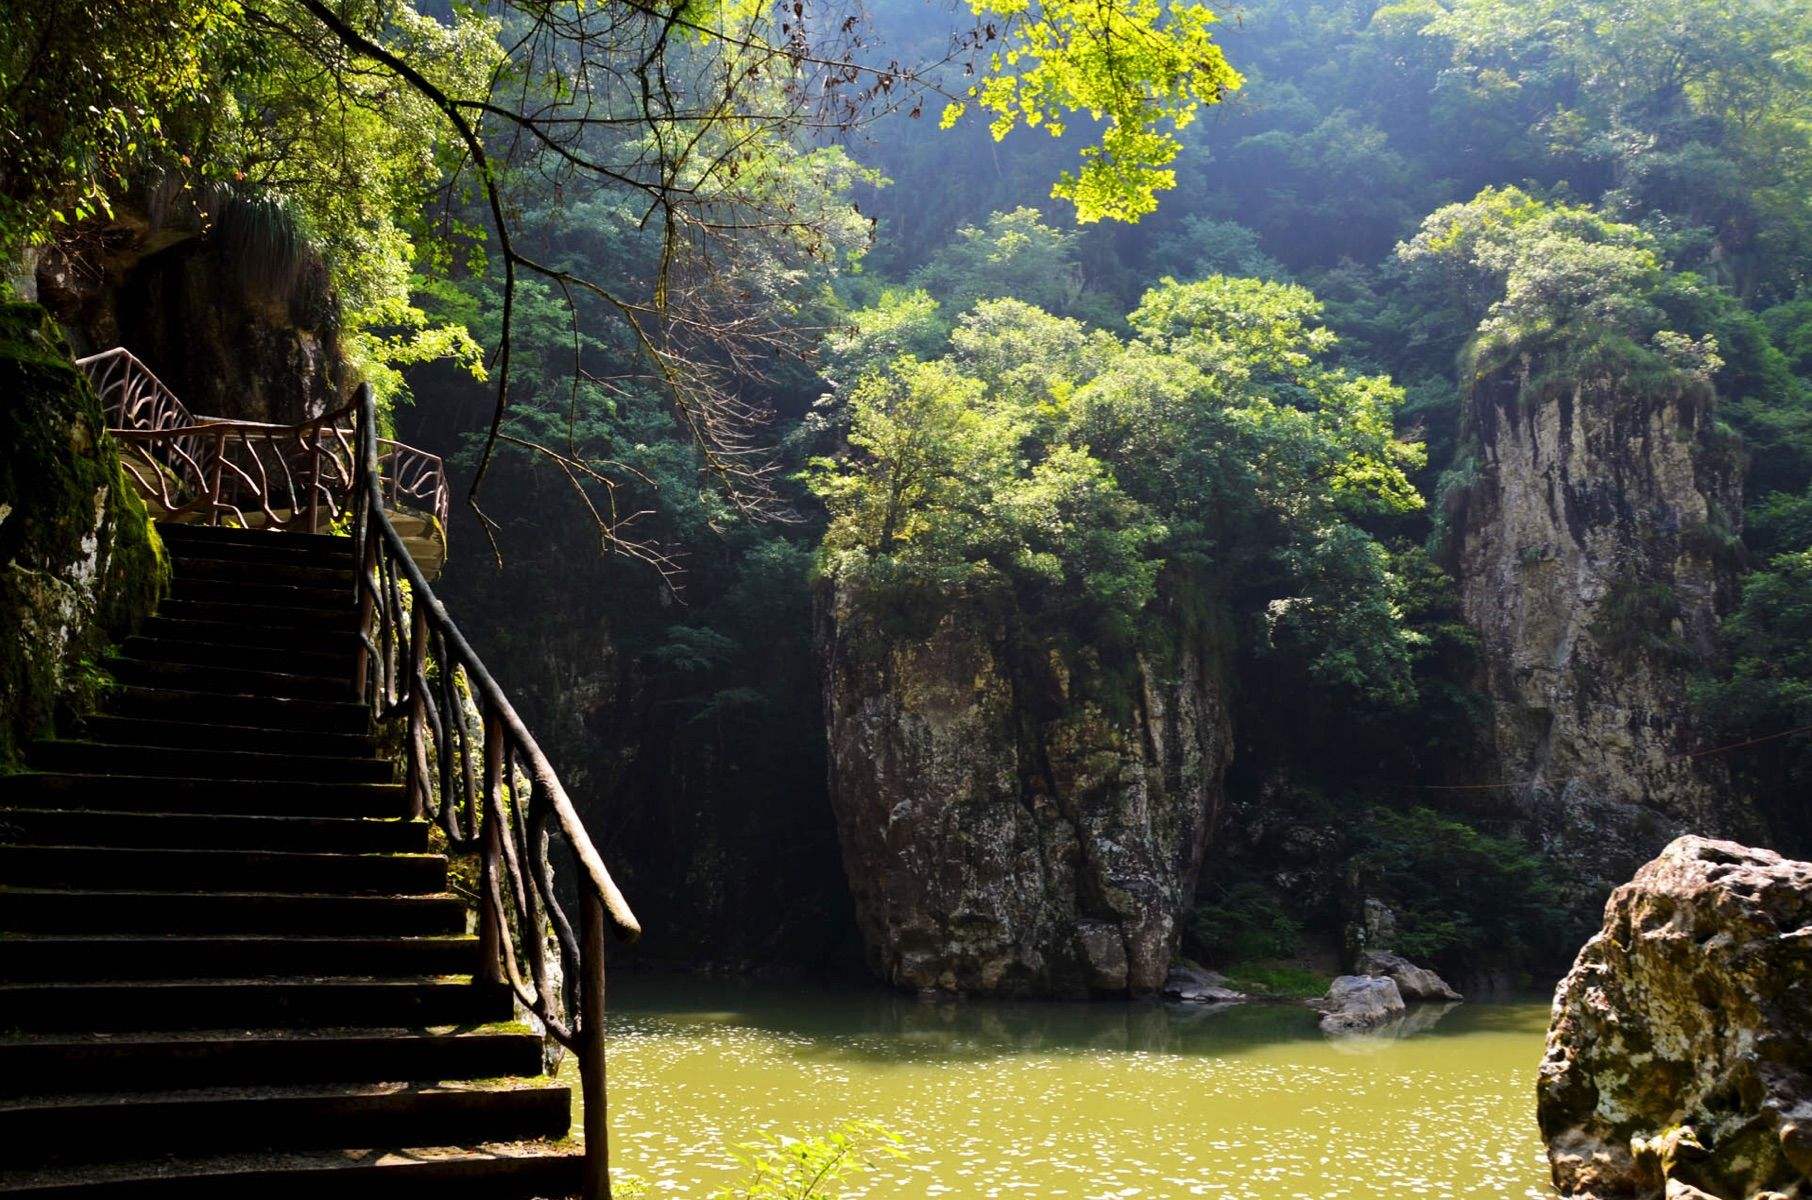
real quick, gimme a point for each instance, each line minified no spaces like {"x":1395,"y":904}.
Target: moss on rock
{"x":80,"y":561}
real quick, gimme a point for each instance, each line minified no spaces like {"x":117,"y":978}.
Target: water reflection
{"x":1081,"y":1101}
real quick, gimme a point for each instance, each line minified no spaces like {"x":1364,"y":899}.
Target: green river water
{"x":1088,"y":1101}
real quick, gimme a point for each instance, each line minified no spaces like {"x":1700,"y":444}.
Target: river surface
{"x":1087,"y":1101}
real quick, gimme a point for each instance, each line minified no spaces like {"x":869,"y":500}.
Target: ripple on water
{"x":1100,"y":1102}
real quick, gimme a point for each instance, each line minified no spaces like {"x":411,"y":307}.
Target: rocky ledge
{"x":1679,"y":1058}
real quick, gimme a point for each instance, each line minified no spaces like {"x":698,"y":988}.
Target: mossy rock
{"x":80,"y":561}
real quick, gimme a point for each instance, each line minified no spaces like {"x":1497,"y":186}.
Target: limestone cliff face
{"x":1589,"y":551}
{"x":1002,"y":833}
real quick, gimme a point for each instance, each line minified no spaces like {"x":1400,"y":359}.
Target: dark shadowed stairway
{"x":229,"y":963}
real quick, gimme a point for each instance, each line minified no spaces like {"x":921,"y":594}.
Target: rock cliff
{"x":1680,"y":1051}
{"x":79,"y":561}
{"x":225,"y":302}
{"x":1592,"y":535}
{"x":1016,"y":820}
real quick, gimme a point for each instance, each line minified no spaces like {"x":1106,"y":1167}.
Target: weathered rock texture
{"x":1680,"y":1051}
{"x":1357,"y":1002}
{"x":79,"y":562}
{"x":1591,"y":548}
{"x":1415,"y":983}
{"x":1014,"y":821}
{"x":229,"y":308}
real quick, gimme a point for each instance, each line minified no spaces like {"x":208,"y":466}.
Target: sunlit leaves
{"x":1079,"y":468}
{"x":1142,"y":68}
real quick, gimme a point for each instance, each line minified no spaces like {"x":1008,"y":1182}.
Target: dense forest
{"x":1354,"y":491}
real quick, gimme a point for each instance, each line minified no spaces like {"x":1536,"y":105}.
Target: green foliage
{"x":90,"y":91}
{"x":1639,"y":619}
{"x":1014,"y":254}
{"x":1244,"y":922}
{"x":791,"y":1168}
{"x":1138,"y":64}
{"x":1278,"y":980}
{"x":786,"y":1168}
{"x":1458,"y":893}
{"x":1529,"y":271}
{"x":82,"y":563}
{"x":1078,"y":468}
{"x":1697,"y":108}
{"x":1208,"y":247}
{"x":1767,"y":692}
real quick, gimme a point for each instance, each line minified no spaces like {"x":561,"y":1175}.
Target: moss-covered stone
{"x":80,"y":562}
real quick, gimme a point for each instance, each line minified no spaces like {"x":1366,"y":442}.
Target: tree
{"x":1214,"y":449}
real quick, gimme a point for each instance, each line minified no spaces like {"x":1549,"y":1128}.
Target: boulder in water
{"x":1194,"y":985}
{"x":1415,"y":983}
{"x":1359,"y":1002}
{"x":1679,"y":1056}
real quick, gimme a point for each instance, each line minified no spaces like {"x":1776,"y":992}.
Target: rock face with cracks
{"x":1016,"y":820}
{"x":1415,"y":983}
{"x":1679,"y":1058}
{"x":1357,"y":1002}
{"x":1593,"y":524}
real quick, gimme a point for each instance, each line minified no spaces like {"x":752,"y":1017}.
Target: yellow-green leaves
{"x":1142,"y":67}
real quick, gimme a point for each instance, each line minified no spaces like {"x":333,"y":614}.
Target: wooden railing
{"x":472,"y":768}
{"x":470,"y":765}
{"x":248,"y":473}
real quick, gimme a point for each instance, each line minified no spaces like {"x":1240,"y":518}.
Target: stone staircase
{"x":229,"y":963}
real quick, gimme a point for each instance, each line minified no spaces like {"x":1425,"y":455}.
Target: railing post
{"x":214,"y":480}
{"x":418,"y":704}
{"x":362,"y":666}
{"x":314,"y":481}
{"x":489,"y":814}
{"x":595,"y":1119}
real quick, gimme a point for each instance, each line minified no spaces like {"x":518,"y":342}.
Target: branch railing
{"x":248,"y":473}
{"x":473,"y":769}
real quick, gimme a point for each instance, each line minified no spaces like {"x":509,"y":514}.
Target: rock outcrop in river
{"x":1591,"y":529}
{"x":1017,"y":822}
{"x":1680,"y":1053}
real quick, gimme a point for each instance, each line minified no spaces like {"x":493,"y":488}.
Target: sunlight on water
{"x":1095,"y":1102}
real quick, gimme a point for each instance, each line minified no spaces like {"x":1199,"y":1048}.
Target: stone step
{"x":234,"y":681}
{"x":113,"y":868}
{"x":261,"y":616}
{"x":269,"y":595}
{"x":252,"y":739}
{"x":298,"y":657}
{"x":206,"y":831}
{"x":252,"y":542}
{"x":143,"y":793}
{"x":56,"y":1065}
{"x":90,"y":1129}
{"x":267,"y":712}
{"x":205,"y":563}
{"x":56,"y":910}
{"x":232,"y":633}
{"x":194,"y":763}
{"x":49,"y":957}
{"x":509,"y":1171}
{"x":158,"y":1004}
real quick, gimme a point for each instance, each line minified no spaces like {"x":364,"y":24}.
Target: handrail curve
{"x":473,"y":768}
{"x":286,"y":476}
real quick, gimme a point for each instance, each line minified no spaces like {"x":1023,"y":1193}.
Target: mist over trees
{"x":716,"y":307}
